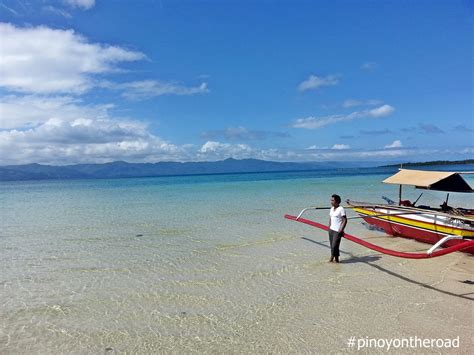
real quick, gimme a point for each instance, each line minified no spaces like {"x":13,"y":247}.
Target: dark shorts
{"x":335,"y":241}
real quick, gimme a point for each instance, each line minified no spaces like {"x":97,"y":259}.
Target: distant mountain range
{"x":120,"y":169}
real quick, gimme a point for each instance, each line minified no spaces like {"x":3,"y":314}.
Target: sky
{"x":94,"y":81}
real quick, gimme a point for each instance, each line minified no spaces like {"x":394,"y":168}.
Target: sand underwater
{"x":209,"y":264}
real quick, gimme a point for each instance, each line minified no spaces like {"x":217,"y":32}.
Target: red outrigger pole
{"x":434,"y":254}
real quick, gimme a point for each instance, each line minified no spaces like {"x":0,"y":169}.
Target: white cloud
{"x":84,"y":140}
{"x":224,"y":148}
{"x":369,"y":66}
{"x":43,"y":118}
{"x":394,"y":144}
{"x":315,"y":82}
{"x":83,"y":130}
{"x":353,"y":103}
{"x":469,"y":150}
{"x":211,"y":146}
{"x":340,"y":147}
{"x":416,"y":153}
{"x":362,"y":154}
{"x":326,"y":154}
{"x":88,"y":140}
{"x":315,"y":147}
{"x":45,"y":60}
{"x":30,"y":110}
{"x":387,"y":155}
{"x":152,"y":88}
{"x":60,"y":130}
{"x":318,"y":122}
{"x":83,"y":4}
{"x":381,"y":111}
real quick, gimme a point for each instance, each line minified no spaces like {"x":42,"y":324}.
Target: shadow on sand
{"x":371,"y":258}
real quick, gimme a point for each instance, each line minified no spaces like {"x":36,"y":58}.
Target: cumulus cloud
{"x":340,"y":146}
{"x":84,"y":140}
{"x":315,"y":82}
{"x":44,"y":114}
{"x":82,"y":4}
{"x":394,"y":144}
{"x":60,"y":130}
{"x":318,"y":122}
{"x":214,"y":150}
{"x":31,"y":110}
{"x":151,"y":88}
{"x":225,"y":148}
{"x":242,"y":134}
{"x":82,"y":130}
{"x":44,"y":60}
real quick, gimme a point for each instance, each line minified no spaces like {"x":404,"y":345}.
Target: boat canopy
{"x":431,"y":180}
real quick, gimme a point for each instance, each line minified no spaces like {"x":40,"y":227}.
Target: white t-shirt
{"x":336,"y":218}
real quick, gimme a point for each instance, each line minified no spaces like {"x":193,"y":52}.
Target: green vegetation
{"x":435,"y":162}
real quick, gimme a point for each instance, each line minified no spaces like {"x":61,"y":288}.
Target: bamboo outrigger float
{"x":448,"y":227}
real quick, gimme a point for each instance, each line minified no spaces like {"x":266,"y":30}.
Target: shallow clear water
{"x":197,"y":263}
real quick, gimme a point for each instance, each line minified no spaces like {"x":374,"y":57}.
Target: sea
{"x":186,"y":264}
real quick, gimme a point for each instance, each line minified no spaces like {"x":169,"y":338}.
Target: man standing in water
{"x":337,"y":223}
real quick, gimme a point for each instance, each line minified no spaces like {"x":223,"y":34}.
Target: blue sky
{"x":146,"y":81}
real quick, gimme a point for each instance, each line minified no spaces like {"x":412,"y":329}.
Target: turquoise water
{"x":204,"y":263}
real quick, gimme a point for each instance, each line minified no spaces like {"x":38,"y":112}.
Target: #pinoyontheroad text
{"x":398,"y":343}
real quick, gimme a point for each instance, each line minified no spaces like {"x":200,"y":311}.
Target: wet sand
{"x":299,"y":304}
{"x":380,"y":297}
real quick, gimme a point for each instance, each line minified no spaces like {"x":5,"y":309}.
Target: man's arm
{"x":343,"y":225}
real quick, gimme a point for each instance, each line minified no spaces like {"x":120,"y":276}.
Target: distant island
{"x":435,"y":162}
{"x":121,"y":169}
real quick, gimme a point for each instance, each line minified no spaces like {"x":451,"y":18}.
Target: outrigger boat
{"x":423,"y":223}
{"x":448,"y":227}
